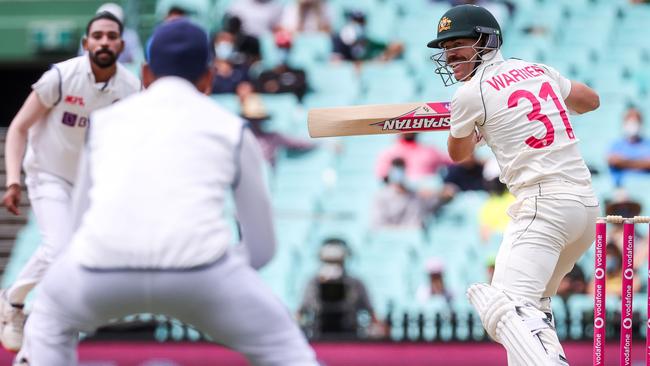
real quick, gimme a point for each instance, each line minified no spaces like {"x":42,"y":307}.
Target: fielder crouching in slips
{"x":150,"y":233}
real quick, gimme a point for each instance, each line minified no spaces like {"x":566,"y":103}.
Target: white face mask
{"x":631,"y":128}
{"x":223,"y":50}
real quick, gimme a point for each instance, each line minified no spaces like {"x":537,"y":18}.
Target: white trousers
{"x":226,"y":300}
{"x":547,"y":235}
{"x":50,"y":199}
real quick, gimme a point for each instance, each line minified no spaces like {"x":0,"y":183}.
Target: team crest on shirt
{"x":69,"y":119}
{"x":445,"y":24}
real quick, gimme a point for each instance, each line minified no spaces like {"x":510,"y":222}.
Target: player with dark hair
{"x":150,"y":234}
{"x":49,"y":130}
{"x":521,"y":110}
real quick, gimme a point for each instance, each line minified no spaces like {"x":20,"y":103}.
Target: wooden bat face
{"x":378,"y":119}
{"x":426,"y":117}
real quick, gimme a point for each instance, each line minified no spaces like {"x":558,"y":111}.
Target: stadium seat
{"x":390,"y":90}
{"x":547,"y":16}
{"x":269,"y":51}
{"x":340,"y":78}
{"x":578,"y":305}
{"x":310,"y":49}
{"x":382,"y":22}
{"x":27,"y":240}
{"x":283,"y":109}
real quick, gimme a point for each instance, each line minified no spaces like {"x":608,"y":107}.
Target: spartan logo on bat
{"x":428,"y":117}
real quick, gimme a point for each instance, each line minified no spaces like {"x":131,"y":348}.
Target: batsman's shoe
{"x":12,"y":323}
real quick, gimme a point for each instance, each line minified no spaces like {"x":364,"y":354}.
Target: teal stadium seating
{"x":329,"y":191}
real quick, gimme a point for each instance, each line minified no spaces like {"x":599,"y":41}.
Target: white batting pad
{"x":515,"y":325}
{"x":491,"y":305}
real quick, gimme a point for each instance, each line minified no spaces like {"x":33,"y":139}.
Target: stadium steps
{"x":10,"y":225}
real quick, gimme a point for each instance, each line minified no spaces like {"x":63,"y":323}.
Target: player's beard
{"x":103,"y":58}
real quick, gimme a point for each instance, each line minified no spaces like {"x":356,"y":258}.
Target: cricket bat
{"x":378,"y":119}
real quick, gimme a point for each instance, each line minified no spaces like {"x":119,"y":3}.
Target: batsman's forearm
{"x":14,"y":152}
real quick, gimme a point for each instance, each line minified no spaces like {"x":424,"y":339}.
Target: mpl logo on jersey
{"x":74,"y":100}
{"x":427,"y":117}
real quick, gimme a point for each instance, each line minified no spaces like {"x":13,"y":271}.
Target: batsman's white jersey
{"x":70,"y":91}
{"x":519,"y":109}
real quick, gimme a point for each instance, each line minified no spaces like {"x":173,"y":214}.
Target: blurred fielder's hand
{"x":11,"y":198}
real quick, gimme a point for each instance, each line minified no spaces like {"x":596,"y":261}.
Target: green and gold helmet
{"x":465,"y":21}
{"x":468,"y":21}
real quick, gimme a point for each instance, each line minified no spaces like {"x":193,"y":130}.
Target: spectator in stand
{"x":283,"y":78}
{"x":398,"y":205}
{"x":630,"y":154}
{"x":307,"y":16}
{"x":230,"y":67}
{"x":493,"y":215}
{"x":614,"y":273}
{"x":574,"y":282}
{"x":352,"y":43}
{"x":253,"y":110}
{"x":242,"y":48}
{"x":421,"y":160}
{"x":435,"y":285}
{"x":258,"y":17}
{"x":333,"y":299}
{"x":623,"y":205}
{"x":466,"y":175}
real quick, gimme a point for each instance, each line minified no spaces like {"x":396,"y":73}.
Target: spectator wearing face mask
{"x":631,"y":154}
{"x":352,"y":43}
{"x":397,"y":205}
{"x":421,"y":160}
{"x":234,"y":53}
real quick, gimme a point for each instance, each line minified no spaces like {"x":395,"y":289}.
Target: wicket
{"x":627,"y":289}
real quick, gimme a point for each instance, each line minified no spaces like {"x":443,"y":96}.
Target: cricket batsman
{"x":521,"y":110}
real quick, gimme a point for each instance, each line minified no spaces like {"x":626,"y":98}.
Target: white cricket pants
{"x":547,"y":235}
{"x":227,"y":300}
{"x":50,"y":198}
